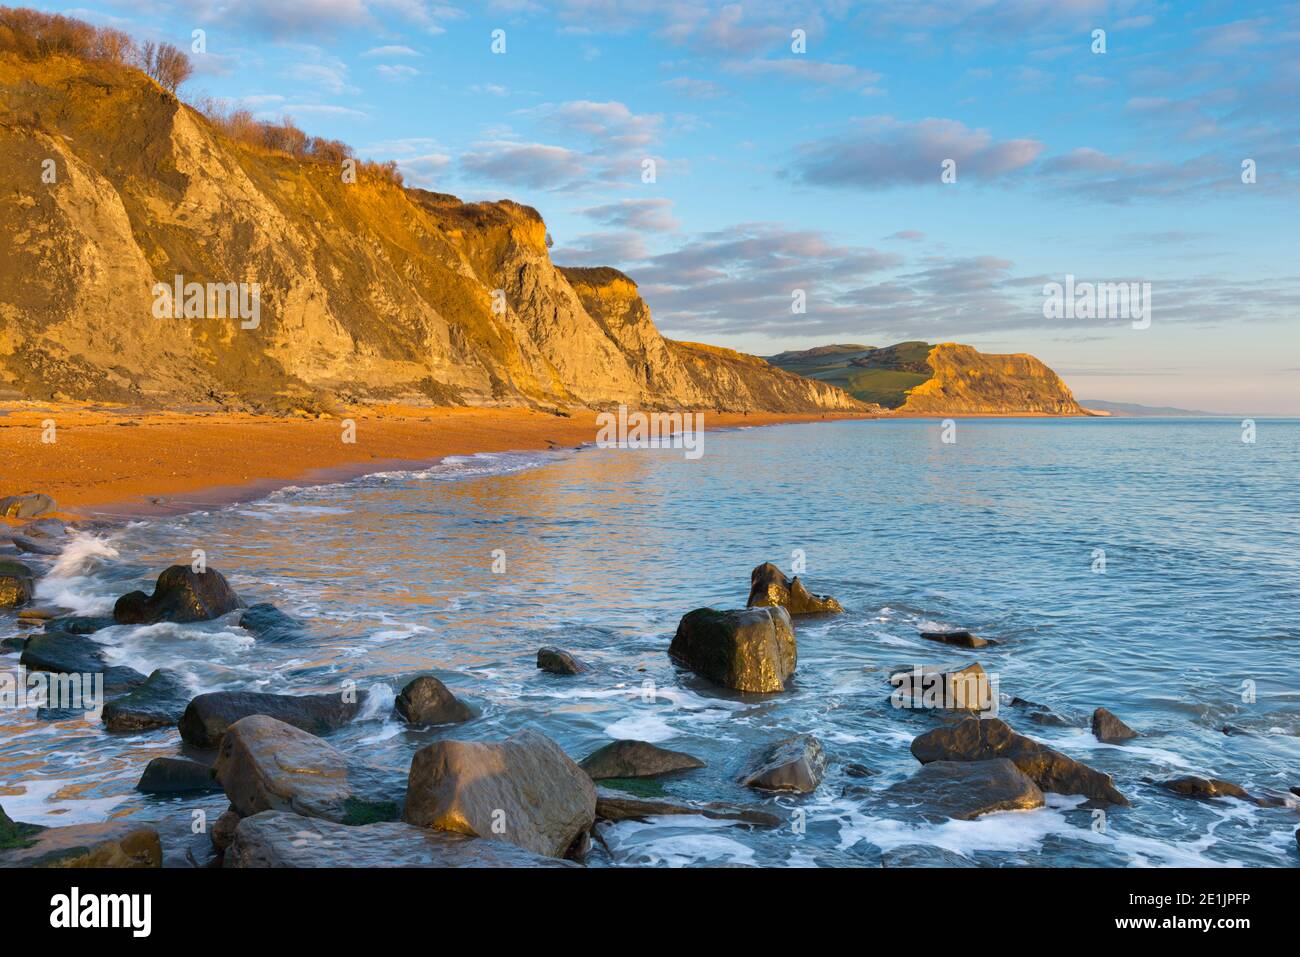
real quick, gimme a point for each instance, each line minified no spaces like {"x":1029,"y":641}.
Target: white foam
{"x":641,"y":727}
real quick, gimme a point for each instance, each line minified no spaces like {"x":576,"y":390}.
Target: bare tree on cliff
{"x":166,"y":64}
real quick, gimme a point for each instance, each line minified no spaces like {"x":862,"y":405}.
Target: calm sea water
{"x":606,"y":549}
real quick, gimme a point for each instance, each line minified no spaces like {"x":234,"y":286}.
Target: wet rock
{"x":17,"y":583}
{"x":1205,"y":789}
{"x":176,"y":776}
{"x":748,"y":650}
{"x":267,"y":765}
{"x":858,"y":771}
{"x":157,"y":703}
{"x":794,"y":764}
{"x":63,"y":653}
{"x":14,"y":642}
{"x":44,"y":528}
{"x":1109,"y":729}
{"x":207,"y":717}
{"x":966,"y":789}
{"x":524,"y":790}
{"x":559,"y":662}
{"x":28,"y":505}
{"x":1040,"y":713}
{"x":79,"y":624}
{"x":613,"y":806}
{"x":278,"y":839}
{"x":180,"y":595}
{"x":956,"y":636}
{"x":636,"y":759}
{"x":270,"y":624}
{"x":976,"y":739}
{"x":768,"y":587}
{"x":929,"y":687}
{"x":34,"y":546}
{"x":426,"y":700}
{"x":114,"y":844}
{"x":924,"y":855}
{"x":224,"y":827}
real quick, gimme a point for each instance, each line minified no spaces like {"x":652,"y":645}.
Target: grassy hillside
{"x":879,"y":375}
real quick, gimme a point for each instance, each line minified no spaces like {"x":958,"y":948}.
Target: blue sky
{"x":820,"y":170}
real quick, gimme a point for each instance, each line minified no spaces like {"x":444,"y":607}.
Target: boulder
{"x":176,"y":776}
{"x":34,"y":546}
{"x":1205,"y":789}
{"x":44,"y":528}
{"x":270,"y":624}
{"x":636,"y":759}
{"x":279,"y":839}
{"x":768,"y":587}
{"x":1040,"y":713}
{"x":524,"y":790}
{"x":157,"y":703}
{"x":929,"y":687}
{"x":858,"y":771}
{"x":79,"y":624}
{"x":613,"y":806}
{"x":793,"y":764}
{"x":559,"y":662}
{"x":17,"y":583}
{"x":207,"y":717}
{"x":64,"y":653}
{"x":426,"y":700}
{"x":1109,"y":729}
{"x":976,"y":739}
{"x":224,"y":827}
{"x":267,"y":765}
{"x":28,"y":505}
{"x":966,"y":789}
{"x":956,"y":636}
{"x":748,"y":650}
{"x":113,"y":844}
{"x":180,"y":595}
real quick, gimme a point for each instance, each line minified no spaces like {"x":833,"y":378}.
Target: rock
{"x":559,"y":662}
{"x":426,"y":700}
{"x":207,"y":717}
{"x":180,"y":595}
{"x":636,"y":759}
{"x":1041,"y":713}
{"x":982,"y":739}
{"x":957,"y":636}
{"x":278,"y":839}
{"x":270,"y":624}
{"x":913,"y":856}
{"x":930,"y":687}
{"x":17,"y":583}
{"x":966,"y":789}
{"x":79,"y":624}
{"x":114,"y":844}
{"x":34,"y":546}
{"x":1205,"y":789}
{"x":29,"y":505}
{"x":1109,"y":729}
{"x":793,"y":764}
{"x":267,"y":765}
{"x":524,"y":790}
{"x":858,"y":771}
{"x":44,"y":528}
{"x":158,"y":703}
{"x":14,"y":642}
{"x":613,"y":806}
{"x":751,"y":650}
{"x":63,"y":653}
{"x":223,"y":829}
{"x":37,"y":616}
{"x":768,"y":587}
{"x":176,"y":776}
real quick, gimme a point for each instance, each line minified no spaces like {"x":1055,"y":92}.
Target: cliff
{"x":368,"y":291}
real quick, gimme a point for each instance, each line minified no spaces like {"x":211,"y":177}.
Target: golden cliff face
{"x":367,"y":291}
{"x":972,"y":382}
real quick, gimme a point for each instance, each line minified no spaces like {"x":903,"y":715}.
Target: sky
{"x":802,"y":147}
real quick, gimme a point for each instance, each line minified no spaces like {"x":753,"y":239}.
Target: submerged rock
{"x":956,"y":636}
{"x":113,"y":844}
{"x":63,"y":653}
{"x":17,"y":583}
{"x":157,"y":703}
{"x":176,"y":776}
{"x":1041,"y":713}
{"x":1109,"y":729}
{"x":636,"y":759}
{"x":559,"y":662}
{"x":79,"y":624}
{"x":768,"y":587}
{"x":966,"y":789}
{"x":279,"y":839}
{"x":793,"y":764}
{"x":426,"y":700}
{"x":976,"y":739}
{"x":270,"y":624}
{"x":267,"y":765}
{"x":524,"y":790}
{"x":28,"y":505}
{"x":614,"y":806}
{"x":748,"y":650}
{"x":207,"y":717}
{"x":180,"y":595}
{"x":1205,"y":789}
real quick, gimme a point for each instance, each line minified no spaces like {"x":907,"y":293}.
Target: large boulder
{"x":426,"y":700}
{"x":158,"y":703}
{"x":768,"y":587}
{"x":17,"y":583}
{"x":616,"y":806}
{"x":180,"y":595}
{"x":267,"y":765}
{"x":636,"y":759}
{"x":279,"y":839}
{"x":556,"y":661}
{"x":524,"y":790}
{"x":749,"y":650}
{"x":176,"y":776}
{"x":1109,"y":729}
{"x":965,"y":789}
{"x":793,"y":764}
{"x":207,"y":717}
{"x":930,"y":687}
{"x":113,"y":844}
{"x":27,"y":505}
{"x":983,"y":739}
